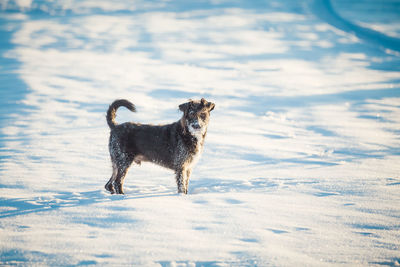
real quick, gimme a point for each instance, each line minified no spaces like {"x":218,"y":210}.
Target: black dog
{"x":176,"y":146}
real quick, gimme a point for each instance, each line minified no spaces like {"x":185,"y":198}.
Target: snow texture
{"x":301,"y":160}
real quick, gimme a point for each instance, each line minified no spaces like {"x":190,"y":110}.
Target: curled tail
{"x":112,"y":110}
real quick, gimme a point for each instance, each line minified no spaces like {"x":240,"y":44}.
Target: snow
{"x":301,"y":160}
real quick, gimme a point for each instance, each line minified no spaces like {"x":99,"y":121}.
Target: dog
{"x":176,"y":146}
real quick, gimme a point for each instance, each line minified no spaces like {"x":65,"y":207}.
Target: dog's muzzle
{"x":196,"y":126}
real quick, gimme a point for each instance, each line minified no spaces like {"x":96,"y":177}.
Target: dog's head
{"x":196,"y":115}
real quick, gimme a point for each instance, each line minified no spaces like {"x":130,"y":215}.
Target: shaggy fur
{"x":176,"y":146}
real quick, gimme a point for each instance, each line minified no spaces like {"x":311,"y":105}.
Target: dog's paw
{"x":183,"y":191}
{"x":110,"y":188}
{"x":119,"y":190}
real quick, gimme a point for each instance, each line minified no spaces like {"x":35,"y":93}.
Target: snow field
{"x":300,"y":165}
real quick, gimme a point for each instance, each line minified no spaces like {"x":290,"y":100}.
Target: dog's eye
{"x":203,"y":116}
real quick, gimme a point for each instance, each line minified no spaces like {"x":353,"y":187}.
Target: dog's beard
{"x":196,"y":132}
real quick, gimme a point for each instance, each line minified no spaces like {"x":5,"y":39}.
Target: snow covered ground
{"x":301,"y":162}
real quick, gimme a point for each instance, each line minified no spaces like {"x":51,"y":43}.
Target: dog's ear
{"x":183,"y":107}
{"x":210,"y":106}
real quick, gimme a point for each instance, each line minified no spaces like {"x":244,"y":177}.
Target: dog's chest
{"x":194,"y":158}
{"x":188,"y":156}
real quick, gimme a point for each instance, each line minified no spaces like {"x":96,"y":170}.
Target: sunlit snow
{"x":301,"y":160}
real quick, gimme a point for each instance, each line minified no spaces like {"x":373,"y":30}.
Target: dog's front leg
{"x":188,"y":172}
{"x":181,"y":181}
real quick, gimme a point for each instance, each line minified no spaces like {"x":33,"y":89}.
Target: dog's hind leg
{"x":121,"y":173}
{"x":119,"y":181}
{"x":110,"y":184}
{"x":120,"y":162}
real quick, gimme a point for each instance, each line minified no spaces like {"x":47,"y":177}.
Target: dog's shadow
{"x":56,"y":200}
{"x":10,"y":207}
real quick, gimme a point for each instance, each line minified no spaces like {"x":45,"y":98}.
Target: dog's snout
{"x":196,"y":125}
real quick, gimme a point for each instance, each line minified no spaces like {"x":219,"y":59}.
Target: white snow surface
{"x":301,"y":160}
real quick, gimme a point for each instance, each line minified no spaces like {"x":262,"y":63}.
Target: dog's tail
{"x":112,"y":110}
